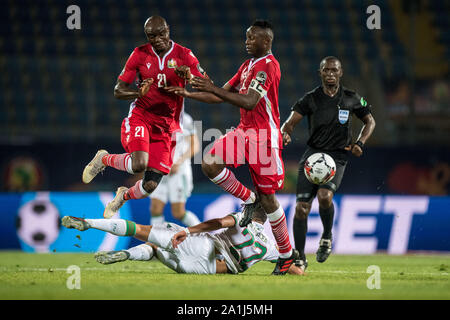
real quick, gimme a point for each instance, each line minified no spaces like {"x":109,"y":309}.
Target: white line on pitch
{"x":105,"y":269}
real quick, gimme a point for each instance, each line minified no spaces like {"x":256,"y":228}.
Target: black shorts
{"x":306,"y":191}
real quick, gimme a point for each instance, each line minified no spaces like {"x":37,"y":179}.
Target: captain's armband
{"x":255,"y":85}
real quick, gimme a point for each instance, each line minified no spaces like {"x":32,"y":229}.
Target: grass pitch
{"x":44,"y":276}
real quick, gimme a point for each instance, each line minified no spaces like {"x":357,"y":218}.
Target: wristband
{"x":360,"y":144}
{"x":187,"y":231}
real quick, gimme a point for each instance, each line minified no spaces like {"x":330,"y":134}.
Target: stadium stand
{"x":57,"y":84}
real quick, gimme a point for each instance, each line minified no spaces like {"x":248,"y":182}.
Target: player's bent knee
{"x":325,"y":198}
{"x":139,"y":165}
{"x":210,"y":168}
{"x":302,"y":210}
{"x":151,"y":180}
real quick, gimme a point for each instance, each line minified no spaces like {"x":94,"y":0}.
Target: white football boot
{"x":75,"y":223}
{"x":94,"y":167}
{"x":113,"y":207}
{"x":108,"y":257}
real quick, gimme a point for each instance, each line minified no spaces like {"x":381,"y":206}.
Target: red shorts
{"x":240,"y":147}
{"x":139,"y":135}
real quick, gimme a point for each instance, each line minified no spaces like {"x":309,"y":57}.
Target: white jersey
{"x":243,"y":247}
{"x":177,"y":187}
{"x":183,"y":143}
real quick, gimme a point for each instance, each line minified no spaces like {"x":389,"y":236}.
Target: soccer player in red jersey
{"x":257,"y":140}
{"x":148,"y":132}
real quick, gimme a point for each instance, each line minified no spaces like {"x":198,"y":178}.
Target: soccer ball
{"x":319,"y":168}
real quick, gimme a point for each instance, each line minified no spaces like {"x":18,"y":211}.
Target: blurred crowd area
{"x":57,"y":84}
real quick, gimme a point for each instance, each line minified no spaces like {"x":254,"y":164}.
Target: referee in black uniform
{"x":329,"y":110}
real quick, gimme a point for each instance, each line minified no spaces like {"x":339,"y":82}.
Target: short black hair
{"x":262,"y":24}
{"x":328,"y":58}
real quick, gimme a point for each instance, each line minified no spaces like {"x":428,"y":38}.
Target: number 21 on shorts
{"x":139,"y":132}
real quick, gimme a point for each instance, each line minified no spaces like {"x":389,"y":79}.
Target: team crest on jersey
{"x":261,"y":77}
{"x":172,"y":63}
{"x":343,"y":116}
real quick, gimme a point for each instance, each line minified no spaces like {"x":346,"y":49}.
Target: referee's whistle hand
{"x":286,"y":138}
{"x":356,"y":150}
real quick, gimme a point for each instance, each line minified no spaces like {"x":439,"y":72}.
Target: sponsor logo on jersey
{"x":343,"y":116}
{"x":148,"y":65}
{"x":172,"y":63}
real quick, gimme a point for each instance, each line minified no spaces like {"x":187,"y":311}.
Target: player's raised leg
{"x":142,"y":189}
{"x":130,"y":162}
{"x":118,"y":227}
{"x":214,"y":168}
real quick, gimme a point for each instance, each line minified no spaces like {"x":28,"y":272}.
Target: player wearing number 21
{"x":154,"y":115}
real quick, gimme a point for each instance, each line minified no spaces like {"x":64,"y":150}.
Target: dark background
{"x":57,"y":106}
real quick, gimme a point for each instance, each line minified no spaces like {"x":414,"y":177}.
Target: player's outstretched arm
{"x":246,"y":101}
{"x":209,"y":225}
{"x":288,"y":126}
{"x":199,"y":96}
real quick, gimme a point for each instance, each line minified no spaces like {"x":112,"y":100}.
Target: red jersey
{"x":263,"y":75}
{"x":160,"y":108}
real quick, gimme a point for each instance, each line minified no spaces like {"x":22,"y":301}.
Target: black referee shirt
{"x":330,"y":118}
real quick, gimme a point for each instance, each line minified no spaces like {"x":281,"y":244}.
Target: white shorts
{"x":196,"y":254}
{"x":175,"y":188}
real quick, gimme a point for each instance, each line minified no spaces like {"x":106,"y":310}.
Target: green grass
{"x":44,"y":276}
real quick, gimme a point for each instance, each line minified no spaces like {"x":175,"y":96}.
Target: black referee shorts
{"x":306,"y":190}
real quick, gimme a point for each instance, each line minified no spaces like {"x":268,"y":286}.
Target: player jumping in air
{"x":329,"y":109}
{"x":192,"y":249}
{"x":257,"y":140}
{"x":154,"y":115}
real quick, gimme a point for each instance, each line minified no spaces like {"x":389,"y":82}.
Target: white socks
{"x":118,"y":227}
{"x":155,"y":220}
{"x":190,"y":219}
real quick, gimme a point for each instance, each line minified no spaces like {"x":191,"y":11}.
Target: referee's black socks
{"x":327,"y":216}
{"x":300,"y":230}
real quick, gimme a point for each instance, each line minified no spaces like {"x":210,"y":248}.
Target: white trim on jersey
{"x":127,"y":119}
{"x":273,"y":127}
{"x":161,"y":62}
{"x":252,"y":63}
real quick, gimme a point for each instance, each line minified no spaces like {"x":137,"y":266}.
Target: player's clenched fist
{"x":183,"y":72}
{"x":286,"y":138}
{"x":145,"y":86}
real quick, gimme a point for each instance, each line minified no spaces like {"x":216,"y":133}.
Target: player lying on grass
{"x":193,"y":249}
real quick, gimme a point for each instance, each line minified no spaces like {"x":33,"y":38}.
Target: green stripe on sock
{"x":131,"y":228}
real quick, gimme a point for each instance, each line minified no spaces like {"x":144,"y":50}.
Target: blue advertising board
{"x":364,"y":224}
